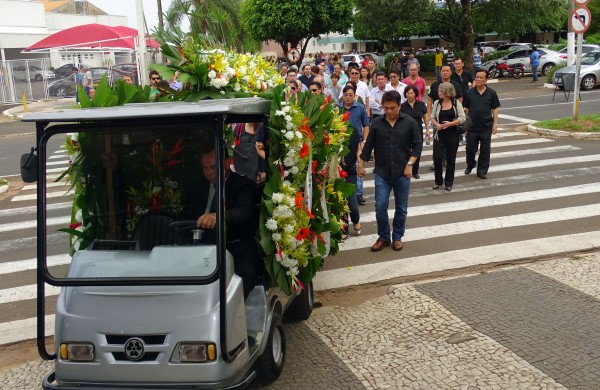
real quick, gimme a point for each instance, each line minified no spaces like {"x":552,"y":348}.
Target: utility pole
{"x":570,"y":35}
{"x":161,"y":25}
{"x":141,"y":44}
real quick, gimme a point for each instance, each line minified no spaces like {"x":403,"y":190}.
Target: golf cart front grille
{"x":148,"y":357}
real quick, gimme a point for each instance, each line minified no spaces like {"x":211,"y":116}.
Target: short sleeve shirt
{"x":433,"y":92}
{"x":480,"y":107}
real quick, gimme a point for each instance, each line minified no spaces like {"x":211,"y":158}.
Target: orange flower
{"x":310,"y":215}
{"x":327,"y":100}
{"x":304,"y":150}
{"x":299,"y":200}
{"x":305,"y":129}
{"x":302,"y":233}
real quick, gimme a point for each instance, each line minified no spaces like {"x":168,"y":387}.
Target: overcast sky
{"x":127,"y":8}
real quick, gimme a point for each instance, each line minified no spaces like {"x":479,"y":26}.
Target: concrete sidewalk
{"x":49,"y":105}
{"x":531,"y":326}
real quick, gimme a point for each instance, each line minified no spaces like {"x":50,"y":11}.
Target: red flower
{"x":74,"y":225}
{"x":299,"y":200}
{"x":304,"y":150}
{"x":302,"y":233}
{"x":314,"y":166}
{"x":304,"y":128}
{"x":310,"y":215}
{"x":156,"y":203}
{"x":327,"y":100}
{"x":326,"y":138}
{"x":343,"y":174}
{"x":346,"y":116}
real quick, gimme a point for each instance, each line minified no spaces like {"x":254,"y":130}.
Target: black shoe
{"x":417,"y":176}
{"x":361,"y":200}
{"x":481,"y":175}
{"x":468,"y":170}
{"x":435,"y":187}
{"x":449,"y":188}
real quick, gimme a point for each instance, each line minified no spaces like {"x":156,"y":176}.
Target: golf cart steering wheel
{"x":186,"y":227}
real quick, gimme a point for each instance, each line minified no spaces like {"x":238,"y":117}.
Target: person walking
{"x":446,"y":114}
{"x":377,"y":94}
{"x":417,"y":110}
{"x":465,"y":80}
{"x":439,"y":60}
{"x":397,"y":145}
{"x":534,"y":60}
{"x":414,"y":79}
{"x":482,"y":106}
{"x":450,"y":58}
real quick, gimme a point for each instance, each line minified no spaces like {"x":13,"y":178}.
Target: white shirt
{"x":362,"y":91}
{"x":400,"y":89}
{"x":375,"y":100}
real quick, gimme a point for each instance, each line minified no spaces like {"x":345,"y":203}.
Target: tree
{"x":218,"y":19}
{"x":290,"y":22}
{"x":594,"y":6}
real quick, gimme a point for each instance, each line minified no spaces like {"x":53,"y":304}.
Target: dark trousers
{"x":447,"y":143}
{"x":247,"y":262}
{"x":353,"y":202}
{"x":415,"y":169}
{"x":481,"y":140}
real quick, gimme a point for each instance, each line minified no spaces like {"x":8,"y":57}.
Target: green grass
{"x":3,"y":182}
{"x":587,"y":123}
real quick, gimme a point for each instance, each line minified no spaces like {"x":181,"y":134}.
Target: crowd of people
{"x":393,"y":113}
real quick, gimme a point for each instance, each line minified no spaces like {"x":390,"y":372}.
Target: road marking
{"x":63,"y":162}
{"x":12,"y":226}
{"x":418,"y":265}
{"x":429,"y":152}
{"x":469,"y":204}
{"x":23,"y":293}
{"x":513,"y":166}
{"x":53,"y":184}
{"x":33,"y":209}
{"x":55,"y":194}
{"x":479,"y":225}
{"x":58,"y":155}
{"x":30,"y":242}
{"x":29,"y":264}
{"x":13,"y":331}
{"x":546,"y":105}
{"x":516,"y":118}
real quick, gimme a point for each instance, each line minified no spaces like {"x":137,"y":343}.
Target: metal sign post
{"x":580,"y":21}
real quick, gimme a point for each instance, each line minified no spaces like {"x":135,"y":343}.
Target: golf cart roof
{"x":244,"y":106}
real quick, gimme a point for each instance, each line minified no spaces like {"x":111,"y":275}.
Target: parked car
{"x":486,"y":49}
{"x":119,"y":70}
{"x":548,"y":59}
{"x":585,"y":48}
{"x":65,"y":87}
{"x":514,"y":46}
{"x":348,"y":58}
{"x":64,"y":71}
{"x":590,"y":71}
{"x":35,"y":73}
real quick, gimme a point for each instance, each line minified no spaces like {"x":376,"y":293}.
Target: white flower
{"x":298,"y":134}
{"x":277,"y":197}
{"x":279,"y":113}
{"x":222,"y":92}
{"x":237,"y":87}
{"x":288,"y":118}
{"x":289,"y":126}
{"x":285,"y":107}
{"x":79,"y":216}
{"x":271,"y":224}
{"x":286,"y":183}
{"x":286,"y":173}
{"x":294,"y":170}
{"x":282,"y":211}
{"x":291,"y":201}
{"x":288,"y":228}
{"x":76,"y":244}
{"x":212,"y":74}
{"x":276,"y":237}
{"x":289,"y":161}
{"x":289,"y":135}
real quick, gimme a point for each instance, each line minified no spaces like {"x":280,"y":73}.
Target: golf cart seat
{"x":153,"y":230}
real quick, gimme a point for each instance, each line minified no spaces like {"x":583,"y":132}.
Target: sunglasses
{"x":155,"y":78}
{"x":354,"y":73}
{"x":293,"y":88}
{"x":314,"y":90}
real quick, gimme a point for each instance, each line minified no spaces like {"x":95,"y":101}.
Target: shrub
{"x":550,"y":72}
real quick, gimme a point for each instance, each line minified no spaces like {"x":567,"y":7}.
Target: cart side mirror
{"x":245,"y":160}
{"x":29,"y":167}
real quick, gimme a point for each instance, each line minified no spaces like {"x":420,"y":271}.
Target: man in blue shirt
{"x":359,"y":120}
{"x":534,"y":60}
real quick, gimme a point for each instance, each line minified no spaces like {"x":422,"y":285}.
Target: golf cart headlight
{"x":77,"y":352}
{"x":194,"y":353}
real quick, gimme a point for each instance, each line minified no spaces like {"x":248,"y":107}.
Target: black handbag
{"x":464,"y":127}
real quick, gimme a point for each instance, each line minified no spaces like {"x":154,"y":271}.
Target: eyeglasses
{"x":155,"y":78}
{"x":354,"y":73}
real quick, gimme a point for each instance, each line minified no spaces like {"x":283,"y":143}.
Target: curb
{"x":4,"y":188}
{"x":12,"y":113}
{"x":562,"y":133}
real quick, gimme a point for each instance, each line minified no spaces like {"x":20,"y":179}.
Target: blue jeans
{"x":383,"y":188}
{"x":534,"y":70}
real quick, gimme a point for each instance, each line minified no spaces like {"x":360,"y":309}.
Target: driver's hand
{"x":207,"y":221}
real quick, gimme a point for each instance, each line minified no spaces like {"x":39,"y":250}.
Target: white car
{"x":590,"y":71}
{"x":514,"y":46}
{"x":548,"y":59}
{"x":585,"y":48}
{"x":35,"y":73}
{"x":358,"y":58}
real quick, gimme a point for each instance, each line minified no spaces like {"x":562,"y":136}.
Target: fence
{"x":27,"y":78}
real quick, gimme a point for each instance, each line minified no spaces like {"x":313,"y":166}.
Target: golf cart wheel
{"x":302,"y":306}
{"x":518,"y":73}
{"x":547,"y":68}
{"x":61,"y":92}
{"x":270,"y":364}
{"x":588,"y":82}
{"x":38,"y":77}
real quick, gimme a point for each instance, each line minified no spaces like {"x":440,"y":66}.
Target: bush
{"x":550,"y":72}
{"x":593,"y":38}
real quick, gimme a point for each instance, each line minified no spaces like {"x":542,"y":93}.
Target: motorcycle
{"x":502,"y":69}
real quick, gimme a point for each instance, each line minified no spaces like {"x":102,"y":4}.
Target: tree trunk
{"x":468,"y":37}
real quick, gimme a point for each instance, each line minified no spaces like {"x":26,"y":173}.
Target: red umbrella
{"x":92,"y":36}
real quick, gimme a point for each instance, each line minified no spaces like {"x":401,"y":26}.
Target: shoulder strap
{"x":454,"y":106}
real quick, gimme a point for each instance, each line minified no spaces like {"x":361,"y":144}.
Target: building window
{"x":333,"y":46}
{"x":341,"y":46}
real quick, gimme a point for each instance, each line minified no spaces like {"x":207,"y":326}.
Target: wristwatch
{"x":410,"y":163}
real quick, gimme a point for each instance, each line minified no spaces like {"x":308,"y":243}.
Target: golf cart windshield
{"x":136,"y":189}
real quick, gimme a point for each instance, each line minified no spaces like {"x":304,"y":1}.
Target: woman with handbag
{"x":418,"y":111}
{"x":447,"y":114}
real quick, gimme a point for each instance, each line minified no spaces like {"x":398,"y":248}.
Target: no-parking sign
{"x":581,"y":19}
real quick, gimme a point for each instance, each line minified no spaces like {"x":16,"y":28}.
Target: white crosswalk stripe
{"x":571,"y":177}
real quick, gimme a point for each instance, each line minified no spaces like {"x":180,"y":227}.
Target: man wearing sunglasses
{"x":154,"y":80}
{"x":315,"y":88}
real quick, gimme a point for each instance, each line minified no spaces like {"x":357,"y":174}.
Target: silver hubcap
{"x":588,"y":83}
{"x":277,"y":345}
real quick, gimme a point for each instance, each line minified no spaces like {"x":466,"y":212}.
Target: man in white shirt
{"x":396,"y":85}
{"x":87,"y":80}
{"x":362,"y":90}
{"x":377,"y":93}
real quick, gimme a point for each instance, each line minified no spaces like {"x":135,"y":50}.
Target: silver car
{"x":548,"y":59}
{"x":35,"y":73}
{"x":590,"y":71}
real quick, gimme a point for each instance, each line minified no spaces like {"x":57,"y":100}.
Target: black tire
{"x":588,"y":82}
{"x":546,"y":68}
{"x":518,"y":73}
{"x":270,"y":364}
{"x":38,"y":77}
{"x":302,"y":306}
{"x":493,"y":73}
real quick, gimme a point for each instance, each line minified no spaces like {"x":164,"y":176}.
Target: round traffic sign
{"x":293,"y":55}
{"x":581,"y":19}
{"x":581,"y":2}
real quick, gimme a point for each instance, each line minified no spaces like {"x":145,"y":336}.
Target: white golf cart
{"x":147,"y":300}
